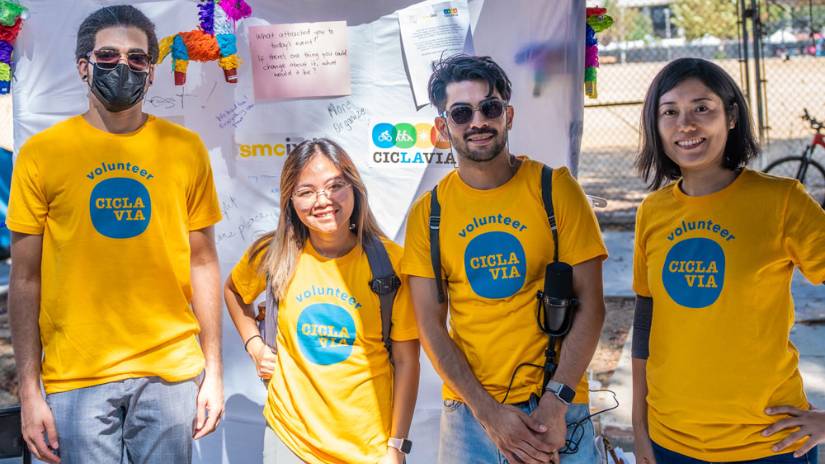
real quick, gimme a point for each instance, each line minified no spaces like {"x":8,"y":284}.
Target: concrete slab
{"x":618,"y":269}
{"x":621,"y":383}
{"x":810,"y":341}
{"x":809,"y":299}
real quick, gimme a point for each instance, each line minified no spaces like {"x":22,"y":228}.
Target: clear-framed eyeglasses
{"x":333,"y":191}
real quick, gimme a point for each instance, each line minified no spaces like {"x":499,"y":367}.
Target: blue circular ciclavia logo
{"x":495,"y":265}
{"x":326,"y":333}
{"x":694,"y":272}
{"x":120,"y":208}
{"x":383,"y":135}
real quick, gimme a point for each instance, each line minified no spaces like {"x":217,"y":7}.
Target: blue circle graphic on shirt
{"x":495,"y":265}
{"x":120,"y":207}
{"x":694,"y":272}
{"x":326,"y":333}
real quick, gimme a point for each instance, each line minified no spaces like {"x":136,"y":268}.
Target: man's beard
{"x":483,"y":154}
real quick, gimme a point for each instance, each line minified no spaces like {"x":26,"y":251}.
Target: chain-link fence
{"x":791,"y":69}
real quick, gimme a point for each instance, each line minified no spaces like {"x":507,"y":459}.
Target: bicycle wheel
{"x":814,"y":178}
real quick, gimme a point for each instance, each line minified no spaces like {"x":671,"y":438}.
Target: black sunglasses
{"x":109,"y":59}
{"x":462,"y":113}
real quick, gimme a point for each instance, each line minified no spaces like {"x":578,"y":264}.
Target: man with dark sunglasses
{"x":495,"y":241}
{"x":114,"y":290}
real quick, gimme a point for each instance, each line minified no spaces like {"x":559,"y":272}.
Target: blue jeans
{"x":663,"y":455}
{"x":463,"y":440}
{"x":136,"y":421}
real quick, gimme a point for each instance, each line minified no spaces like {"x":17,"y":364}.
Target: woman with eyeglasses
{"x":715,"y":375}
{"x":334,"y":394}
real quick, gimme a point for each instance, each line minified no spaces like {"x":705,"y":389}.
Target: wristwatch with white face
{"x":401,"y":444}
{"x":562,"y":391}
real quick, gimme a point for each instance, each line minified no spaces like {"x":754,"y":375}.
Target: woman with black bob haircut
{"x":715,"y":375}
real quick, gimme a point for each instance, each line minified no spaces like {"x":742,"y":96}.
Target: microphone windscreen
{"x":558,"y":284}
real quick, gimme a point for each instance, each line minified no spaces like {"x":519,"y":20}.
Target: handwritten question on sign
{"x":300,"y":60}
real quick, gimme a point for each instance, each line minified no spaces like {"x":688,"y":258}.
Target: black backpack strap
{"x":547,"y":199}
{"x":384,"y":283}
{"x":435,"y":248}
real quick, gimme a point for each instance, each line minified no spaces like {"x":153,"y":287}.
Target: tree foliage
{"x":639,"y":25}
{"x":698,"y":18}
{"x":629,"y":24}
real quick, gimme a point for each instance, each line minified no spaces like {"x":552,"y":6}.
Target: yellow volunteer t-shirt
{"x":495,"y":245}
{"x":719,"y":269}
{"x":330,"y":397}
{"x":115,"y":212}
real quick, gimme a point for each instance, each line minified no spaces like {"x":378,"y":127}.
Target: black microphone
{"x":558,"y":299}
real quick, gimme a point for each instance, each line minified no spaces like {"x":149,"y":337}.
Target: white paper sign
{"x":429,"y":32}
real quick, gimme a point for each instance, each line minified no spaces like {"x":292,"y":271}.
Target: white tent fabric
{"x":547,"y":126}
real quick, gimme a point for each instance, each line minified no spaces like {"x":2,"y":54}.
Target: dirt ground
{"x":619,"y":318}
{"x":617,"y":324}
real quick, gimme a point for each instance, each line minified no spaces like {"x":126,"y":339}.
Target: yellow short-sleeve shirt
{"x":718,"y":268}
{"x":495,"y":245}
{"x":330,"y":397}
{"x":115,"y":212}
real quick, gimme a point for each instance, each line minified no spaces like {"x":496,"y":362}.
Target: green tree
{"x":637,"y":24}
{"x":698,"y":18}
{"x":628,"y":23}
{"x":799,"y":15}
{"x":612,"y":33}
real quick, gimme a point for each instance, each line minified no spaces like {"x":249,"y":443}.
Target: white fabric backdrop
{"x":548,"y":127}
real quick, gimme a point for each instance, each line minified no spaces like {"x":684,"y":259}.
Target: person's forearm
{"x":580,"y":344}
{"x":24,"y":312}
{"x":405,"y":386}
{"x":452,"y":366}
{"x":639,"y":414}
{"x":448,"y":361}
{"x":207,"y":309}
{"x":242,"y":314}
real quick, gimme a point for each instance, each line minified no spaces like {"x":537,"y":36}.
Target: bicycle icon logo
{"x":385,"y":137}
{"x":405,"y":135}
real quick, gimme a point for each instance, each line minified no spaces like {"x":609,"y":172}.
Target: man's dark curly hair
{"x":113,"y":16}
{"x":461,"y":67}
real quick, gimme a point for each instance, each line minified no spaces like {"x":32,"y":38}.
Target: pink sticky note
{"x":300,"y":60}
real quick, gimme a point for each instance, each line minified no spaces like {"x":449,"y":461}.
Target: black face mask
{"x":119,"y":88}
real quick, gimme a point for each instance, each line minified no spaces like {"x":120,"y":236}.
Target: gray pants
{"x":134,"y":421}
{"x":276,"y":452}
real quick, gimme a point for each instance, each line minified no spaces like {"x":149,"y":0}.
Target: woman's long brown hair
{"x":283,"y":246}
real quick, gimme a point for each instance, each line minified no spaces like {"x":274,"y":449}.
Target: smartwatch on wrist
{"x":562,"y":391}
{"x":401,"y":444}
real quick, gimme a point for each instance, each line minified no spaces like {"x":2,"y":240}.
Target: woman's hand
{"x":643,"y":449}
{"x":263,"y":356}
{"x":811,"y":424}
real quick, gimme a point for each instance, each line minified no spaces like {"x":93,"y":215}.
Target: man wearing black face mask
{"x":114,"y":292}
{"x":116,"y":85}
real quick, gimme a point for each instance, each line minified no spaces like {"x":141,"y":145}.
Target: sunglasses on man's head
{"x":462,"y":113}
{"x":109,"y":59}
